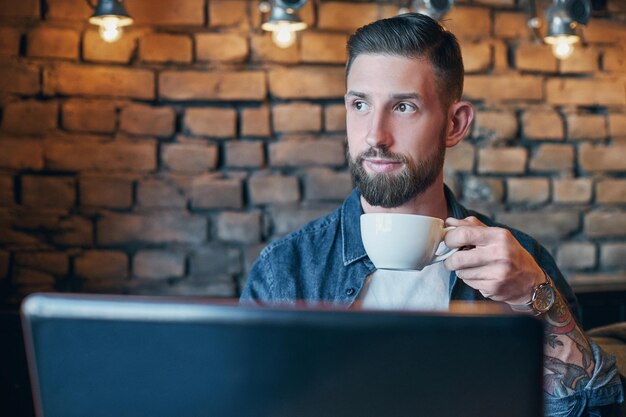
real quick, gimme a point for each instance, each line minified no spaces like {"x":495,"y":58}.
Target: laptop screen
{"x":129,"y":356}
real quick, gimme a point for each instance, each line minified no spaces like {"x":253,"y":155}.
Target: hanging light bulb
{"x":563,"y":18}
{"x":283,"y":22}
{"x":111,"y":16}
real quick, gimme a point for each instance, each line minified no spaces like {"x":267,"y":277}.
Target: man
{"x":404,"y":108}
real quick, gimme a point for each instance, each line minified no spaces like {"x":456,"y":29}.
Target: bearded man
{"x":404,"y":108}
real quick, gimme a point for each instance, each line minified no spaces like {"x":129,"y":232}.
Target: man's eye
{"x":405,"y":108}
{"x":360,"y":106}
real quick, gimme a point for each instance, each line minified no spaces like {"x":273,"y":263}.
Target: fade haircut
{"x":414,"y":35}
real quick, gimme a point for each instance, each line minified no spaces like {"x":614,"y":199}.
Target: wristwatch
{"x":542,"y":299}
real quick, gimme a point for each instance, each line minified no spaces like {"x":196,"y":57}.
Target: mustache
{"x":382,"y":153}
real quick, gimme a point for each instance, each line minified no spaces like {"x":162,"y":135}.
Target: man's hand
{"x":495,"y":263}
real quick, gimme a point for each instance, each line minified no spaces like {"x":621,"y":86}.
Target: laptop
{"x":118,"y":356}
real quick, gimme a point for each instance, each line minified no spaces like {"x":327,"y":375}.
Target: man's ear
{"x":460,"y":116}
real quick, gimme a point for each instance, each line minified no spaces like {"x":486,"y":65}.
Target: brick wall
{"x":163,"y":163}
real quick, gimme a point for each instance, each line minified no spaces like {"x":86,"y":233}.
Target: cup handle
{"x":445,"y":255}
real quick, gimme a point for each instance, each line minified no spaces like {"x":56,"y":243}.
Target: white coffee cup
{"x":403,"y":241}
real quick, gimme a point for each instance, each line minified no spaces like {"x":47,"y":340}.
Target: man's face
{"x":396,"y":128}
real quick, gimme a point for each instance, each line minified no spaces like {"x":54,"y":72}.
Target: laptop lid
{"x":129,"y":356}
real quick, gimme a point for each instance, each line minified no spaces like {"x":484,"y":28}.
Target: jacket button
{"x":350,"y":291}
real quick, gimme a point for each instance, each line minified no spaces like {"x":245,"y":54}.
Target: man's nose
{"x":378,"y":132}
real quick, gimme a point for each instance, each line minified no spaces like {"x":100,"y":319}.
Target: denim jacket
{"x":325,"y":263}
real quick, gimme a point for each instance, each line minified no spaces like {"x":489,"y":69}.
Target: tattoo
{"x":568,"y":360}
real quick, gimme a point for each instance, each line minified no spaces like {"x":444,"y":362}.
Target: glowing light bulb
{"x":110,"y":29}
{"x":284,"y":37}
{"x":562,"y":49}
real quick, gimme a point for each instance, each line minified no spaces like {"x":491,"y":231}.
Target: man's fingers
{"x":476,"y":236}
{"x":468,"y":221}
{"x":468,"y":258}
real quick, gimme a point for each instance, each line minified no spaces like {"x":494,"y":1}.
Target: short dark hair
{"x":414,"y":35}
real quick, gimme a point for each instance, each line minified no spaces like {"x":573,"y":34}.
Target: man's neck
{"x":431,"y":202}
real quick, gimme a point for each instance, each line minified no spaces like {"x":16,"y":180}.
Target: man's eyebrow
{"x":405,"y":96}
{"x":356,"y":94}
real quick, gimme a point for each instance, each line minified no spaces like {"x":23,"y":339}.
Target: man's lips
{"x":381,"y":165}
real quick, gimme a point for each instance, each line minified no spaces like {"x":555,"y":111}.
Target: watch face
{"x":544,"y":298}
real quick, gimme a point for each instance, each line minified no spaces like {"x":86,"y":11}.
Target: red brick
{"x":102,"y":265}
{"x":602,"y":158}
{"x":613,"y":255}
{"x":502,"y":160}
{"x":586,"y":126}
{"x":76,"y":155}
{"x":605,"y":224}
{"x":553,"y":157}
{"x":222,"y":47}
{"x":274,"y":189}
{"x":500,"y":55}
{"x":158,"y":264}
{"x":166,"y":12}
{"x":617,"y":125}
{"x":611,"y":191}
{"x":56,"y":263}
{"x":535,"y":57}
{"x":605,"y":31}
{"x":31,"y":280}
{"x":56,"y":192}
{"x":19,"y":78}
{"x":9,"y":41}
{"x":614,"y":59}
{"x":200,"y":85}
{"x":161,"y":47}
{"x":141,"y":119}
{"x":98,"y":50}
{"x":228,"y":13}
{"x":73,"y":79}
{"x":545,"y":226}
{"x":496,"y":124}
{"x":160,"y":193}
{"x":469,"y":22}
{"x":476,"y":56}
{"x":255,"y":121}
{"x":307,"y":152}
{"x":106,"y":191}
{"x":159,"y":227}
{"x":572,"y":190}
{"x":577,"y":255}
{"x":528,"y":190}
{"x":503,"y":87}
{"x":23,"y":10}
{"x":483,"y":190}
{"x":287,"y":218}
{"x":21,"y":154}
{"x":73,"y":231}
{"x":207,"y":263}
{"x":30,"y":117}
{"x":543,"y":123}
{"x":265,"y":50}
{"x":307,"y":82}
{"x":7,"y":198}
{"x":326,"y":184}
{"x":213,"y":122}
{"x":239,"y":227}
{"x":77,"y":10}
{"x":209,"y":191}
{"x":511,"y":25}
{"x":240,"y":154}
{"x":345,"y":16}
{"x":297,"y":117}
{"x":583,"y":60}
{"x":98,"y":116}
{"x":335,"y":118}
{"x":193,"y":157}
{"x":460,"y":158}
{"x":328,"y":48}
{"x":585,"y":92}
{"x":52,"y":42}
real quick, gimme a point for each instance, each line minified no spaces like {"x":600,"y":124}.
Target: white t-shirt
{"x":427,"y":289}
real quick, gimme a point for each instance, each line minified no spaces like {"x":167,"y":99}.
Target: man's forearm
{"x":568,"y":359}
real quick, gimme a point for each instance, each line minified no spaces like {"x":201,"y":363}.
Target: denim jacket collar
{"x":351,"y":211}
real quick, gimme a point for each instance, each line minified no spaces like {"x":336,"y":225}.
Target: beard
{"x":394,"y":189}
